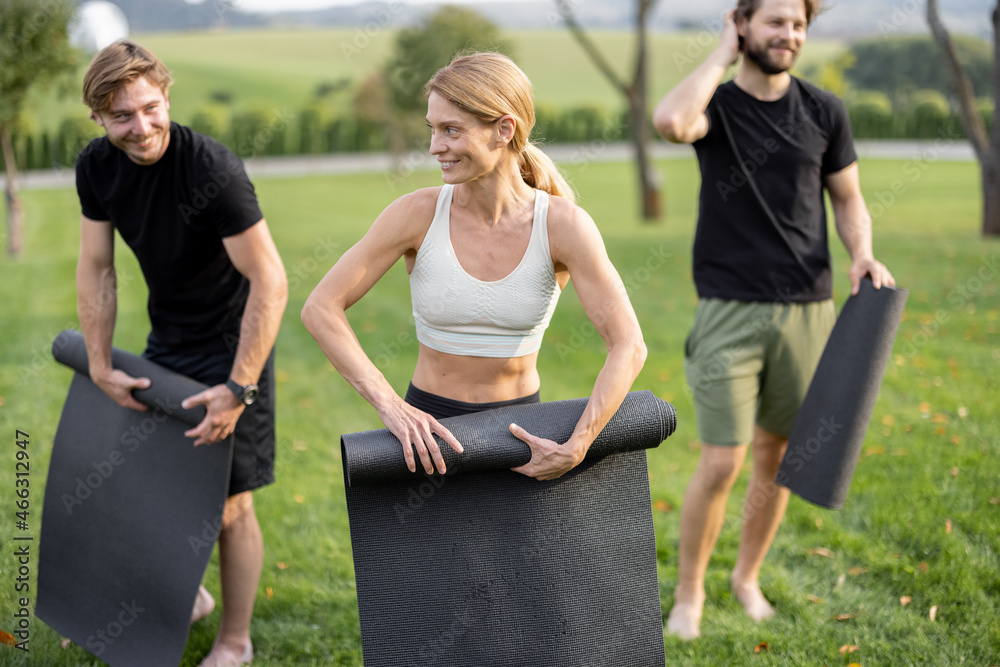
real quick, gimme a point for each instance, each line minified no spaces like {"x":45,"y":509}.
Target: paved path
{"x":595,"y":151}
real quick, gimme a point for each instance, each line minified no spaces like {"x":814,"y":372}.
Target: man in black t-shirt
{"x":768,"y":144}
{"x":217,"y":290}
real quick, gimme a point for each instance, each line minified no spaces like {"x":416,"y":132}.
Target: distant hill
{"x":845,"y":18}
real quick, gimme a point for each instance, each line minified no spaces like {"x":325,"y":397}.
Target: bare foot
{"x":684,"y":620}
{"x":204,"y":603}
{"x":754,"y":602}
{"x":225,"y":656}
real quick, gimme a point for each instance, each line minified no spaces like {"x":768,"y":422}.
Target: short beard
{"x":760,"y":58}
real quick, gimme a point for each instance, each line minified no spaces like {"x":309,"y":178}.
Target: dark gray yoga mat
{"x":825,"y":443}
{"x":131,"y":513}
{"x":484,"y":566}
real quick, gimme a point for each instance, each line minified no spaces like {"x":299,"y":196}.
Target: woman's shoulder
{"x":571,"y":230}
{"x":566,"y":217}
{"x":412,"y":208}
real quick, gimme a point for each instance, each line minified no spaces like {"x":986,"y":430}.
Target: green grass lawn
{"x":922,"y":519}
{"x":261,"y":66}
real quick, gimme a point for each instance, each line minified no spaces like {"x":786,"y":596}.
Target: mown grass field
{"x":269,"y":69}
{"x":922,"y":520}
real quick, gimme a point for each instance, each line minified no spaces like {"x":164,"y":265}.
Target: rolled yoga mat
{"x":826,"y":440}
{"x":130,"y":516}
{"x":484,"y":566}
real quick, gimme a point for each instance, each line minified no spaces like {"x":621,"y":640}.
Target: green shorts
{"x":752,"y":362}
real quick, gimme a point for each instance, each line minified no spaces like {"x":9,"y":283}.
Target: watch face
{"x":250,"y":394}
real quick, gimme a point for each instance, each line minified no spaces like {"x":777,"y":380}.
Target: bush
{"x":74,"y":135}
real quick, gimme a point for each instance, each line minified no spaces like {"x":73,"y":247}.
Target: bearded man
{"x":768,"y":145}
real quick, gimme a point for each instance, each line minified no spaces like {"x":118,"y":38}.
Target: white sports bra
{"x":462,"y":315}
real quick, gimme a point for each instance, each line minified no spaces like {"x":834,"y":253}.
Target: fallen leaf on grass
{"x":840,"y":580}
{"x":855,"y":571}
{"x":7,"y":639}
{"x":760,"y":647}
{"x":925,"y":409}
{"x":905,"y":600}
{"x":994,"y":501}
{"x":932,"y":614}
{"x":299,"y":498}
{"x":954,"y":472}
{"x":955,"y":440}
{"x":922,"y":566}
{"x":663,"y":506}
{"x":269,"y":592}
{"x":66,"y":643}
{"x":874,"y":449}
{"x":819,"y":522}
{"x":854,"y":664}
{"x":848,"y":648}
{"x":1,"y":401}
{"x":940,"y":430}
{"x":282,"y":566}
{"x":963,"y":411}
{"x":947,"y":526}
{"x":813,"y":598}
{"x":888,"y":420}
{"x":939,"y":418}
{"x":844,"y":617}
{"x":821,"y":551}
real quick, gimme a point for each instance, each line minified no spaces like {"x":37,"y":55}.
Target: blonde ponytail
{"x":538,"y":171}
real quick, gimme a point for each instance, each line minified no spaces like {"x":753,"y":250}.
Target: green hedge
{"x":315,"y":130}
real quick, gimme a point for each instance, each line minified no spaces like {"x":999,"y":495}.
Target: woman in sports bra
{"x":488,"y":254}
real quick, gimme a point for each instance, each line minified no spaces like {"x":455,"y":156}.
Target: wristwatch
{"x":246,"y":395}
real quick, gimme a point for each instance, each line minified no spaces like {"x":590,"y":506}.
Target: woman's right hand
{"x":415,"y":430}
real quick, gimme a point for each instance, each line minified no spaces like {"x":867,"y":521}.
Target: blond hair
{"x":489,"y":85}
{"x":119,"y":65}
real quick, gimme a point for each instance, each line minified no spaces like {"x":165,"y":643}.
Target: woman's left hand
{"x":549,"y":459}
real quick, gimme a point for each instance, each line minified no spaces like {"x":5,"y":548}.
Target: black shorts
{"x":253,"y":449}
{"x":440,"y":407}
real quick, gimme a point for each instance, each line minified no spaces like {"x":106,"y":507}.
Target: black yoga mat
{"x":131,"y":513}
{"x":825,"y":443}
{"x":484,"y":566}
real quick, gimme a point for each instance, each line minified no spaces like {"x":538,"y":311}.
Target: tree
{"x":895,"y":65}
{"x":987,"y":148}
{"x":34,"y":51}
{"x":634,"y":92}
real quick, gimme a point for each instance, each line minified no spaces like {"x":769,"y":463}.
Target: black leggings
{"x":440,"y":407}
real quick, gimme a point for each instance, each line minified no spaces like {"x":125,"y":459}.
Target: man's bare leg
{"x":702,"y":516}
{"x":204,"y":604}
{"x":764,"y":507}
{"x":241,"y":559}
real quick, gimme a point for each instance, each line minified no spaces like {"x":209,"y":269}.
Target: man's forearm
{"x":97,"y":307}
{"x":683,"y":105}
{"x":854,"y":226}
{"x":259,"y":328}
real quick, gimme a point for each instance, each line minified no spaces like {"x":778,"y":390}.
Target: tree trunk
{"x":991,"y":198}
{"x":15,"y":214}
{"x":639,"y":121}
{"x":648,"y":186}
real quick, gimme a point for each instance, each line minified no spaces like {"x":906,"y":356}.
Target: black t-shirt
{"x":761,"y":232}
{"x":174,"y":214}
